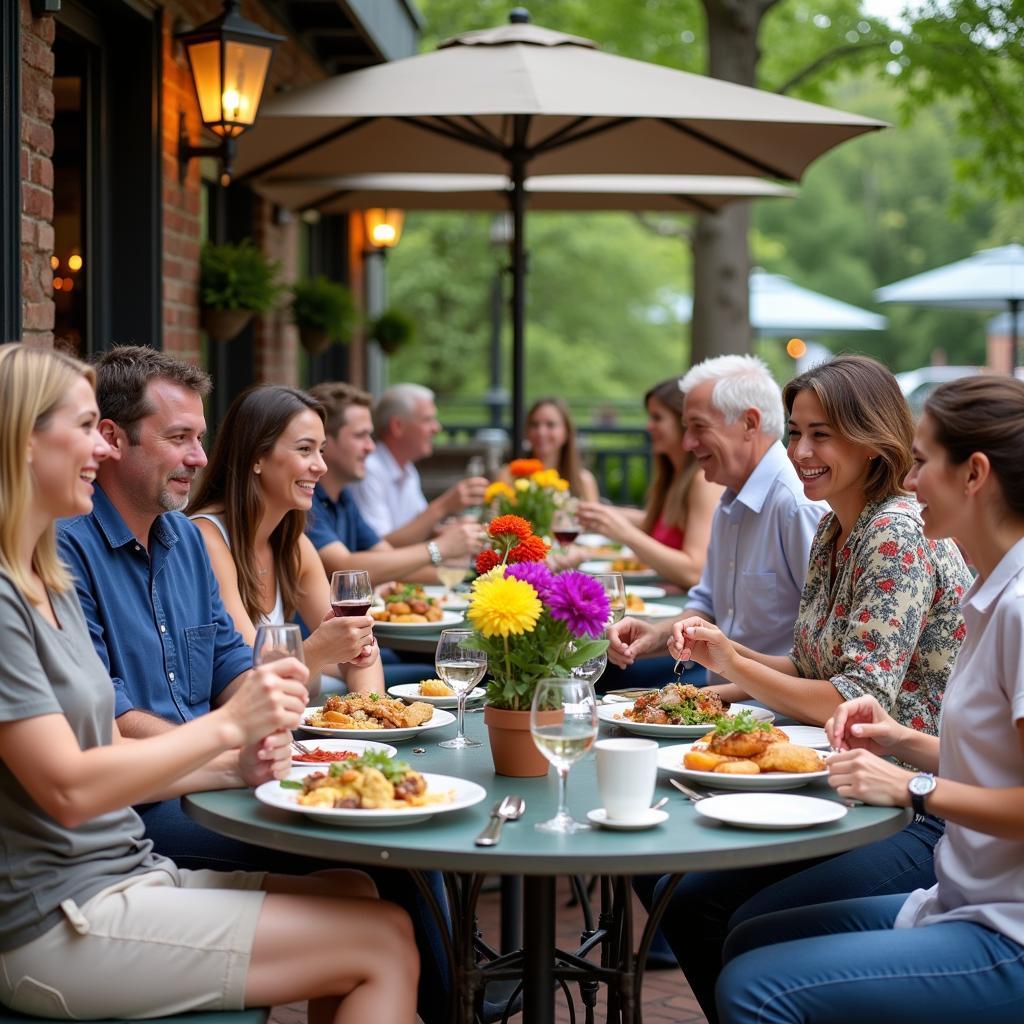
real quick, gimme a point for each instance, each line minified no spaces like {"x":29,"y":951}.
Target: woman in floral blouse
{"x":879,"y":615}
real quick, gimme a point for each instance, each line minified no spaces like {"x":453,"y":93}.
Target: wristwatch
{"x":920,"y":786}
{"x":435,"y":553}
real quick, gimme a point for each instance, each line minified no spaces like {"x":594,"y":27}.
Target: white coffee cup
{"x":626,"y":772}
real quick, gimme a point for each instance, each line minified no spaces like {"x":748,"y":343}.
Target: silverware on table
{"x":657,"y":806}
{"x":509,"y":808}
{"x":694,"y":795}
{"x":301,"y":748}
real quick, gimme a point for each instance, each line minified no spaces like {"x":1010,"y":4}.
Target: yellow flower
{"x":504,"y":607}
{"x":522,"y":485}
{"x":561,"y":485}
{"x":498,"y":488}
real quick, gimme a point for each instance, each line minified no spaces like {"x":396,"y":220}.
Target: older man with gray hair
{"x":763,"y":527}
{"x":390,"y":495}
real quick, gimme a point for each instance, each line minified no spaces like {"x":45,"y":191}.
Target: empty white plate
{"x":807,"y":736}
{"x":770,"y":810}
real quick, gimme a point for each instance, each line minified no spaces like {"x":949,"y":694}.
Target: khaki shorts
{"x":153,"y":945}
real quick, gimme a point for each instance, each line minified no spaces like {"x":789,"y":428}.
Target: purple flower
{"x":537,"y":574}
{"x":580,"y":602}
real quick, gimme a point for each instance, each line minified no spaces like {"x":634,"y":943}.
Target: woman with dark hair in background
{"x":250,"y":506}
{"x":672,"y":531}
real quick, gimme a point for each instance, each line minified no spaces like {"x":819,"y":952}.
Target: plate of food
{"x":648,"y":593}
{"x":371,"y":790}
{"x":677,"y":709}
{"x":411,"y":622}
{"x":371,"y":716}
{"x":742,"y":753}
{"x":640,"y":609}
{"x":770,"y":811}
{"x":445,"y":597}
{"x":435,"y":692}
{"x":630,"y":568}
{"x":325,"y":751}
{"x":410,"y":605}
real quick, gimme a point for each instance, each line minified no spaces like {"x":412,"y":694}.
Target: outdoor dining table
{"x":685,"y":842}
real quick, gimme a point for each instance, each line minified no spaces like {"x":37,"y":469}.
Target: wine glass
{"x":451,"y":572}
{"x":565,"y":527}
{"x":276,"y":642}
{"x":351,"y":592}
{"x":461,"y":668}
{"x":564,"y":740}
{"x":615,"y":590}
{"x":592,"y":669}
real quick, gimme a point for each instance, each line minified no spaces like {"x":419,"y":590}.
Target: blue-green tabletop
{"x":685,"y":842}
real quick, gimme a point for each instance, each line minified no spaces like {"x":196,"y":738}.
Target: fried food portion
{"x":371,"y":781}
{"x":788,"y":757}
{"x":369,"y":711}
{"x":741,"y":744}
{"x":407,"y":602}
{"x":703,"y":760}
{"x":435,"y":688}
{"x":738,"y":767}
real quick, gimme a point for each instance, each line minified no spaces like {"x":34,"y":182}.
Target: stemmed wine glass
{"x":451,"y":572}
{"x":615,"y":589}
{"x":565,"y":526}
{"x":461,"y":668}
{"x":565,"y":740}
{"x":351,"y":592}
{"x":276,"y":642}
{"x":592,"y":669}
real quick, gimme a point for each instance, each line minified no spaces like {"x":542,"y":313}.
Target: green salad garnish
{"x":742,"y":721}
{"x":686,"y":714}
{"x":393,"y":771}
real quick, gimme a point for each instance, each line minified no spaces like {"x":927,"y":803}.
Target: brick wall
{"x":36,"y":176}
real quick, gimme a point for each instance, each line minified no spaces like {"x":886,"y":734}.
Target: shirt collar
{"x":390,"y":463}
{"x":756,"y":487}
{"x":983,"y":593}
{"x":116,"y":530}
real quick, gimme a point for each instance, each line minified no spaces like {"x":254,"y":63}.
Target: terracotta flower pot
{"x":225,"y":324}
{"x":512,"y":748}
{"x":314,"y":339}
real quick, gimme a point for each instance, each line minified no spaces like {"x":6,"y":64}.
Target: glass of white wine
{"x":276,"y":642}
{"x":461,"y":668}
{"x":451,"y":572}
{"x":615,"y":589}
{"x":566,"y":739}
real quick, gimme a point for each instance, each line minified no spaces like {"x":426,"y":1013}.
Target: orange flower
{"x":529,"y":549}
{"x":515,"y":525}
{"x":525,"y":467}
{"x":486,"y":561}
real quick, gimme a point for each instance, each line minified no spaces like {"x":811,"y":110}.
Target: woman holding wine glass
{"x":250,"y":506}
{"x":461,"y":668}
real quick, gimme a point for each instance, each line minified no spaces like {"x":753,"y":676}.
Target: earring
{"x":256,"y":470}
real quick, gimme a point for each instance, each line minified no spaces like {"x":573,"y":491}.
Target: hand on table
{"x":858,"y":775}
{"x":630,"y":638}
{"x":693,"y":639}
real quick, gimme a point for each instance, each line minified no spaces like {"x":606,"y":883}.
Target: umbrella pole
{"x":518,"y":202}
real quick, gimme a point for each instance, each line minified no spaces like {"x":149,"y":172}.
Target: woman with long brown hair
{"x":250,"y":507}
{"x":671,"y":533}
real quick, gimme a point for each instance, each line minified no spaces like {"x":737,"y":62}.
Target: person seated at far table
{"x":879,"y":615}
{"x":671,"y":534}
{"x":250,"y":506}
{"x":953,"y":951}
{"x":108,"y":928}
{"x":390,"y":495}
{"x":552,"y":438}
{"x":342,"y":537}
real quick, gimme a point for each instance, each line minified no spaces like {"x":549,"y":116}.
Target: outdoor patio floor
{"x":666,"y":996}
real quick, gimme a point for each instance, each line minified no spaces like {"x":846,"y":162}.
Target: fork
{"x":301,"y":748}
{"x":691,"y":794}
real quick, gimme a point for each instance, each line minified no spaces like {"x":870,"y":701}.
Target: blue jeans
{"x":844,"y":963}
{"x":189,"y":845}
{"x":707,"y":905}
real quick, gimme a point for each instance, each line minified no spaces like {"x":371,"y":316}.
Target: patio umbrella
{"x":990,"y":279}
{"x":778,"y":305}
{"x":521,"y":99}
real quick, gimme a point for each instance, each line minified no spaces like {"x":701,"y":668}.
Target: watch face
{"x":922,"y":785}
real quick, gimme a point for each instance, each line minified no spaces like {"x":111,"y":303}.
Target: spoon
{"x":661,"y":803}
{"x":509,"y":808}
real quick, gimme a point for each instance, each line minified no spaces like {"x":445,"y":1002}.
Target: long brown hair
{"x":256,"y":419}
{"x":569,"y":464}
{"x":864,"y":404}
{"x":666,"y":497}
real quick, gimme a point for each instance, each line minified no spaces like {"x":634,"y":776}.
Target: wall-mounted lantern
{"x":229,"y":58}
{"x":383,"y":227}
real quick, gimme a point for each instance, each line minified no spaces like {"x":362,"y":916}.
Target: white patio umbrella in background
{"x":989,"y":280}
{"x":521,"y":100}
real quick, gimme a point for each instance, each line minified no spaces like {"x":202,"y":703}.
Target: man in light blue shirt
{"x":763,"y":527}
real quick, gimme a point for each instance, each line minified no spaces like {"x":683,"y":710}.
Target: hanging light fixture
{"x":383,"y":226}
{"x":229,"y":58}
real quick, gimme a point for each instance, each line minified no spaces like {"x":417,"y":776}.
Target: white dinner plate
{"x":645,"y":593}
{"x":770,"y":810}
{"x":465,"y":793}
{"x":670,"y":761}
{"x":628,"y":576}
{"x":411,"y":691}
{"x":448,"y":618}
{"x":439,"y":720}
{"x":657,"y":611}
{"x":455,"y":602}
{"x":336,"y":745}
{"x":613,"y":714}
{"x":807,"y":736}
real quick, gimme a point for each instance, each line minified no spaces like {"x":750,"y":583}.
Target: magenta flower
{"x":537,"y":574}
{"x":580,"y":602}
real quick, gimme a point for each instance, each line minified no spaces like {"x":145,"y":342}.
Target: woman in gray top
{"x":92,"y":922}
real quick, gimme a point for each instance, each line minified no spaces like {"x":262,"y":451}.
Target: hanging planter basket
{"x":225,"y":325}
{"x":314,"y":339}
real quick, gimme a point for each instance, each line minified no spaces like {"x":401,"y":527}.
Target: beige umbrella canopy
{"x":672,"y":193}
{"x":519,"y":100}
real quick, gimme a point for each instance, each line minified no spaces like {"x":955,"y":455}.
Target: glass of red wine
{"x":565,"y":526}
{"x":351,"y":592}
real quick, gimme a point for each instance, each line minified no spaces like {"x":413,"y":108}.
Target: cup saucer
{"x":651,"y":818}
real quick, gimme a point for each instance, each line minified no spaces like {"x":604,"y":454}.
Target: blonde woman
{"x":70,"y":944}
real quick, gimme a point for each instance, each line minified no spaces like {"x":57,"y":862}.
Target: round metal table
{"x":685,"y":842}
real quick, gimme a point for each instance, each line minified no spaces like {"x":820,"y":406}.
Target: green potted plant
{"x":533,"y":625}
{"x":324,"y":312}
{"x":236,"y":281}
{"x":392,"y":329}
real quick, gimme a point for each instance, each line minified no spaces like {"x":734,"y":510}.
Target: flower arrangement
{"x":534,"y":494}
{"x":532,"y":623}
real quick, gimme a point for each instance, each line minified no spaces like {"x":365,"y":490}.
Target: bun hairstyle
{"x":864,"y":404}
{"x":986,"y":415}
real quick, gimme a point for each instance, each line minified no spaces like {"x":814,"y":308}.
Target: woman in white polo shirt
{"x":954,"y":951}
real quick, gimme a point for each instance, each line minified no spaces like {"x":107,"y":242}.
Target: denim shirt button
{"x":170,"y":675}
